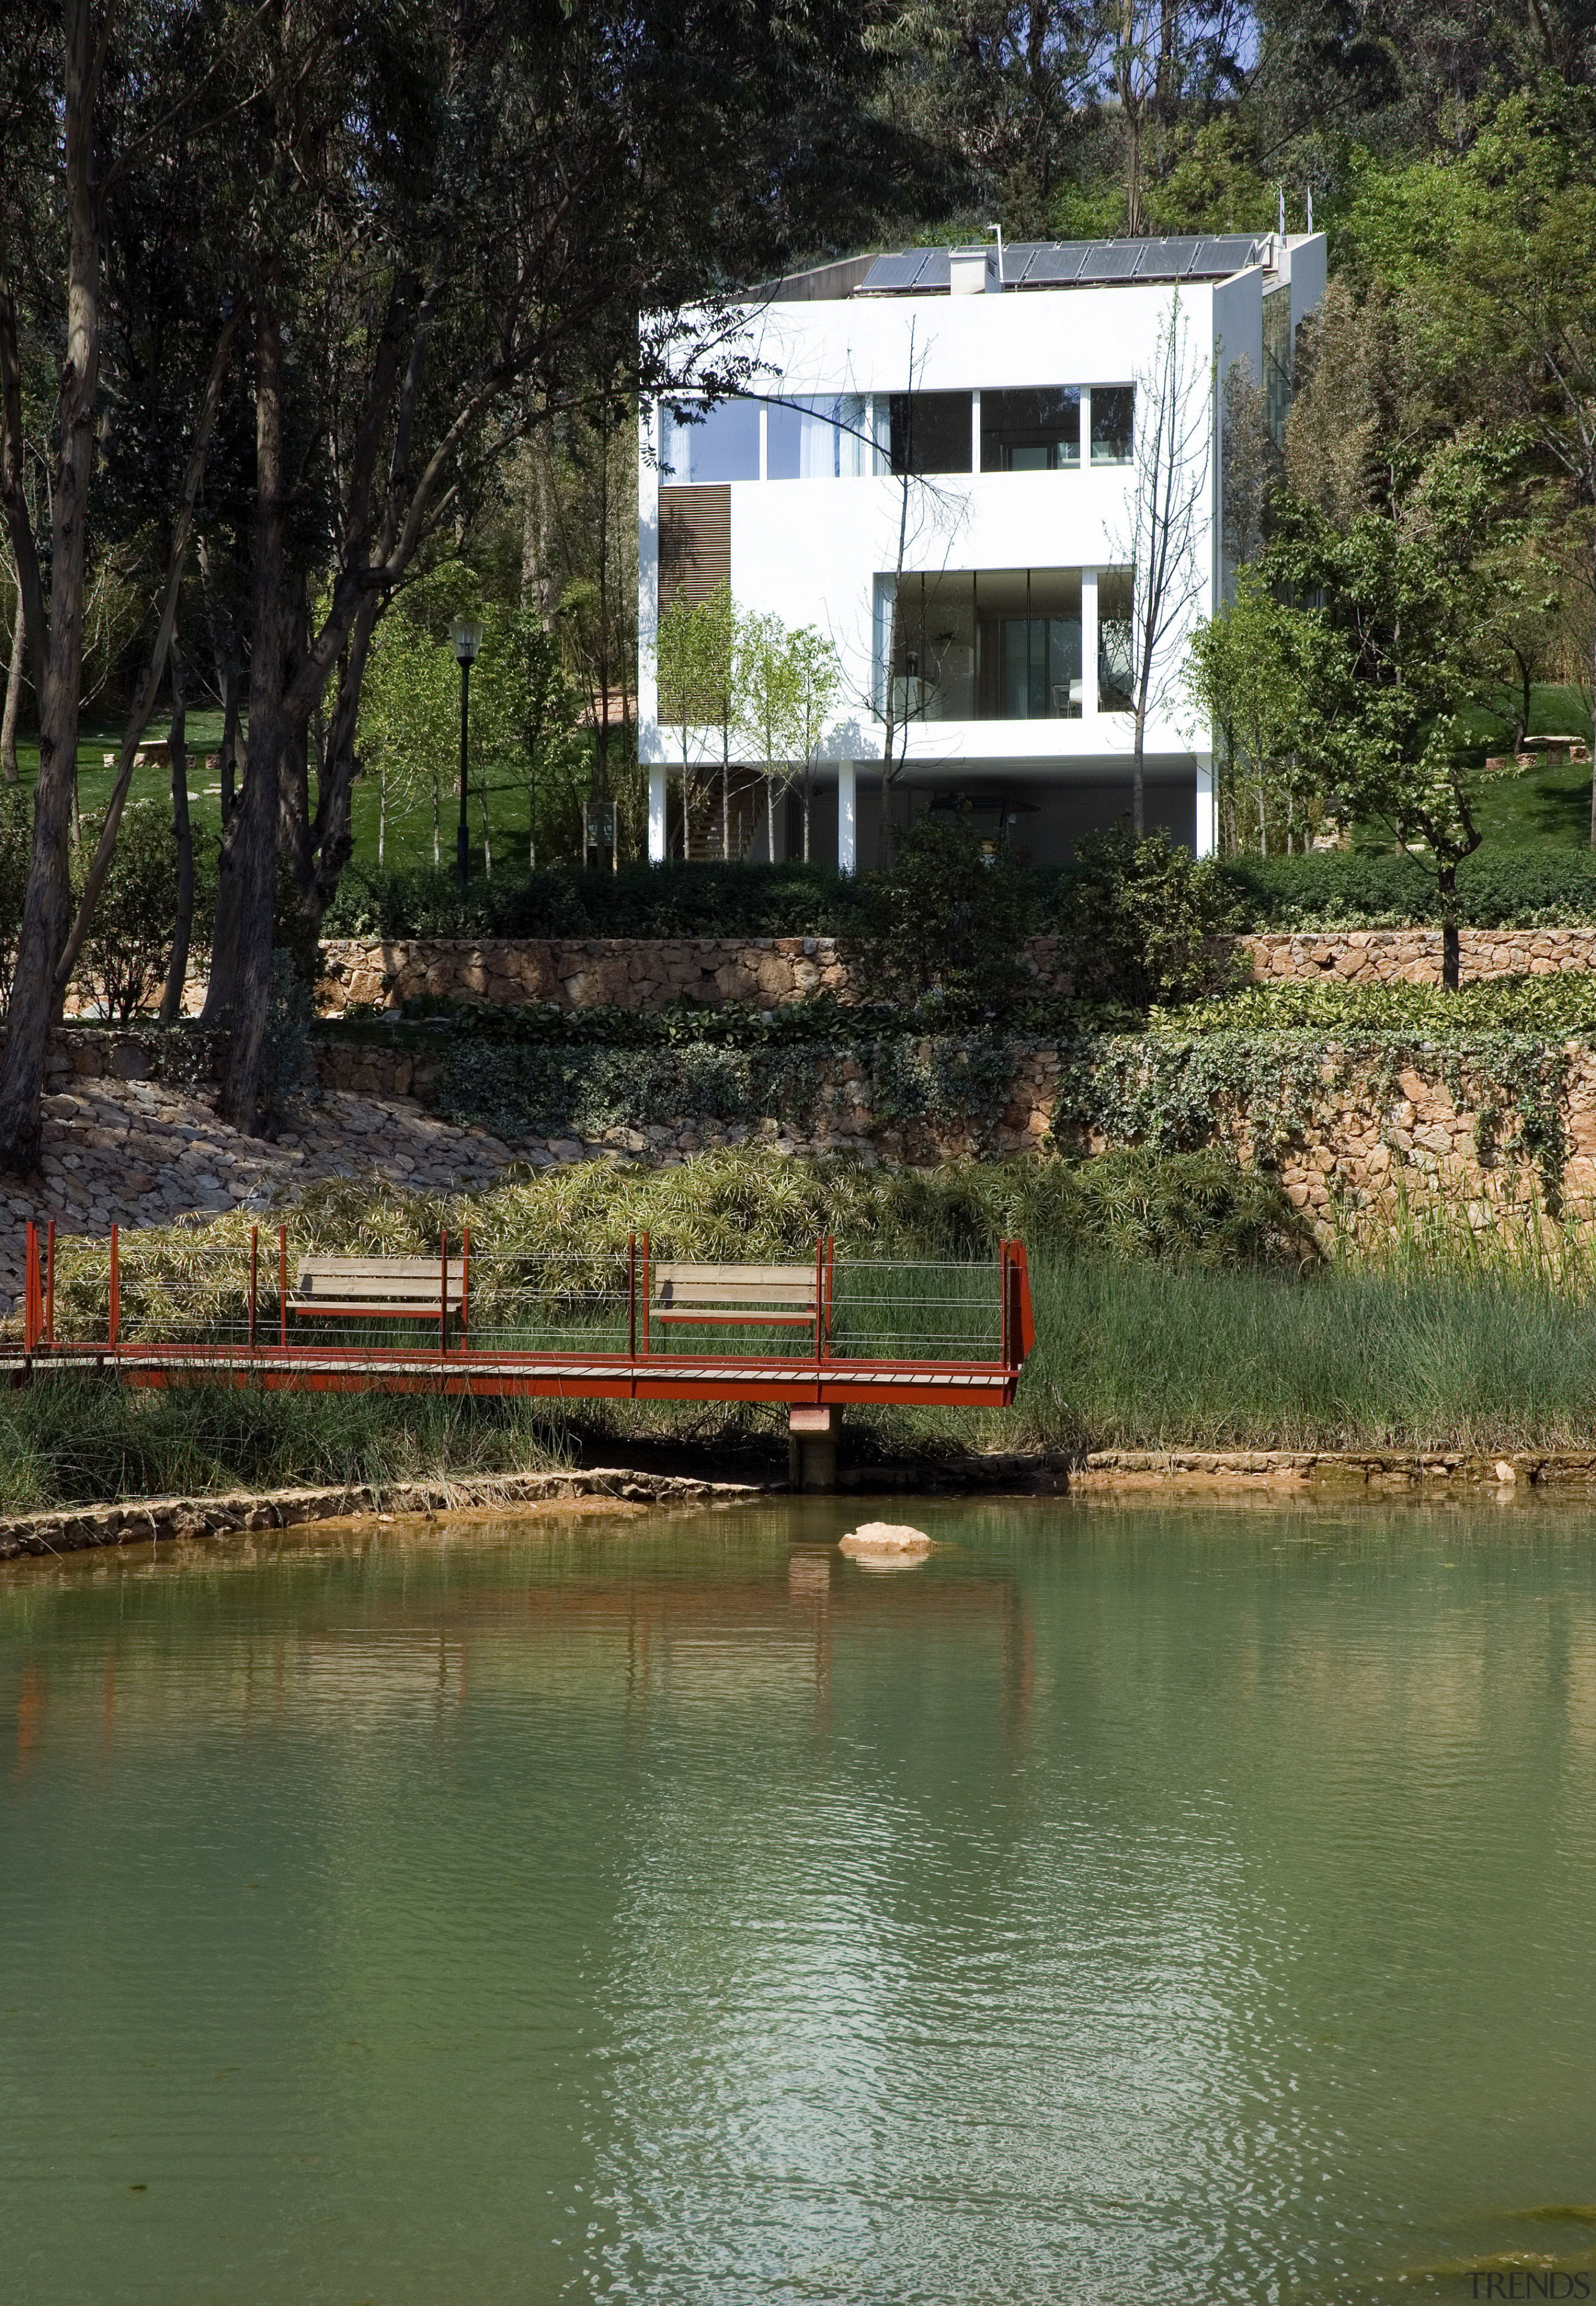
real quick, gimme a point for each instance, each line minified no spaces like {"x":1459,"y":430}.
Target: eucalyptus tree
{"x":124,"y":91}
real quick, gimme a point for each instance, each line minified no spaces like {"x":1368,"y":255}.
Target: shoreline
{"x":1339,"y":1475}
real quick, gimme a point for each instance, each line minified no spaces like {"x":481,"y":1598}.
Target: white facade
{"x":1014,"y":700}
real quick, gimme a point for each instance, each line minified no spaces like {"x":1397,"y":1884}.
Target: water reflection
{"x":1123,"y":1905}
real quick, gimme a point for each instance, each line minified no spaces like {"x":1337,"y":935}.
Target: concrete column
{"x":812,"y":1447}
{"x":1089,"y":644}
{"x":656,"y":812}
{"x":1207,"y":825}
{"x":847,"y":816}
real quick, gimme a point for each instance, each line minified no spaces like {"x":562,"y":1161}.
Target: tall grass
{"x":1144,"y":1356}
{"x":78,"y":1438}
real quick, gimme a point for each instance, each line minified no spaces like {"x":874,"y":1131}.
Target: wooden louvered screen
{"x":695,"y":542}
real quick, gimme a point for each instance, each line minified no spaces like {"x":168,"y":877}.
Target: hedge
{"x":1513,"y":889}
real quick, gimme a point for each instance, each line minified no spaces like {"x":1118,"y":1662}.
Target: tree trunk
{"x":1138,"y":778}
{"x":255,"y":824}
{"x":171,"y":1008}
{"x":46,"y":904}
{"x":231,"y":685}
{"x":1448,"y":877}
{"x":13,"y":695}
{"x":155,"y":673}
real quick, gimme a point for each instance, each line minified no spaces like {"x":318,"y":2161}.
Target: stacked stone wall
{"x":773,"y":972}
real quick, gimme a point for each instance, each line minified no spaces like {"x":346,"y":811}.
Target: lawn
{"x":409,"y":834}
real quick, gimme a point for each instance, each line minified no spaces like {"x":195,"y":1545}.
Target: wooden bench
{"x":370,"y":1288}
{"x":781,"y":1295}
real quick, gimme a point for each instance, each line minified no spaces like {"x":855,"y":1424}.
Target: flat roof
{"x":1077,"y":263}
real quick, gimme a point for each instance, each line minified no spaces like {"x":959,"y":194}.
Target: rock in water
{"x":885,"y":1538}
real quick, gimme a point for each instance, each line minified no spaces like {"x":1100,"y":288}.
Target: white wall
{"x":810,"y":552}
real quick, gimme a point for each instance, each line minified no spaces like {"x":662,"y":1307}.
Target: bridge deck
{"x":565,"y":1377}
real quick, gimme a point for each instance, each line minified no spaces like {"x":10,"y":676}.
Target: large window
{"x":929,"y":432}
{"x":1114,"y":408}
{"x":1034,"y":431}
{"x":827,"y":438}
{"x":1116,"y":641}
{"x":721,"y":445}
{"x":996,"y":645}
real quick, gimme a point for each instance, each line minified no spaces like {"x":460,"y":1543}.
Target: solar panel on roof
{"x":1060,"y":263}
{"x":1113,"y":259}
{"x":890,"y":272}
{"x":1043,"y":260}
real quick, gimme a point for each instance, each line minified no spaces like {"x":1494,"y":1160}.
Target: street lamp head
{"x":467,"y":639}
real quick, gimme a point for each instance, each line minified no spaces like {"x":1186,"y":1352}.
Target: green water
{"x":1121,"y":1906}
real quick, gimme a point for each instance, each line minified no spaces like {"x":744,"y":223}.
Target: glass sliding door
{"x":1029,"y":645}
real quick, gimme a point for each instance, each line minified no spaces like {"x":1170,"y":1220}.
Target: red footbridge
{"x":816,"y":1334}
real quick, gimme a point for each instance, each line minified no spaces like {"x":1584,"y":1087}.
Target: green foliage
{"x":1528,"y":889}
{"x":1135,"y":918}
{"x":641,"y":900}
{"x":1259,"y":672}
{"x":951,"y":918}
{"x":1556,"y":1007}
{"x":124,"y":960}
{"x":1179,"y":1090}
{"x":83,"y":1440}
{"x":552,"y":1073}
{"x":16,"y":847}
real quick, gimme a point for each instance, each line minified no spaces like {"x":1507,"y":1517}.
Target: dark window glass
{"x":930,"y":432}
{"x":1035,"y":431}
{"x":1112,"y":408}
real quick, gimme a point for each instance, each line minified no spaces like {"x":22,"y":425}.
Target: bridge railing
{"x":239,"y":1297}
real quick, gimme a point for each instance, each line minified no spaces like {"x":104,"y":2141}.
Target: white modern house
{"x":937,"y":468}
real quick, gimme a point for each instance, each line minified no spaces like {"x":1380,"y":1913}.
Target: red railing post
{"x":50,"y":1283}
{"x":631,"y":1297}
{"x":31,"y":1288}
{"x":254,"y":1278}
{"x":443,"y":1292}
{"x":283,"y":1287}
{"x":1003,"y":1304}
{"x":464,"y":1287}
{"x":648,"y":1291}
{"x":819,"y":1292}
{"x":116,"y":1289}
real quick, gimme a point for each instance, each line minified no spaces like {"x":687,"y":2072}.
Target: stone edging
{"x":1107,"y":1469}
{"x":156,"y":1519}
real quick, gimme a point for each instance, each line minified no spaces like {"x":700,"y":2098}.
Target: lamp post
{"x":467,"y":639}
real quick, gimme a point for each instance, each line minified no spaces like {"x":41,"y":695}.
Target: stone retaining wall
{"x":585,"y":972}
{"x":1414,"y":956}
{"x":772,"y":972}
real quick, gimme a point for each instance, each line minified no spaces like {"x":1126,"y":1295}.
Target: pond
{"x":1176,"y":1904}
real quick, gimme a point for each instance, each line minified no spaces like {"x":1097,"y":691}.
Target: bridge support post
{"x":812,"y":1447}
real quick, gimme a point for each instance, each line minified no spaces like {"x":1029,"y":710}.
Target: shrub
{"x":952,"y":918}
{"x":16,"y":847}
{"x":1136,"y":917}
{"x":124,"y":960}
{"x":643,"y":901}
{"x":1506,"y":889}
